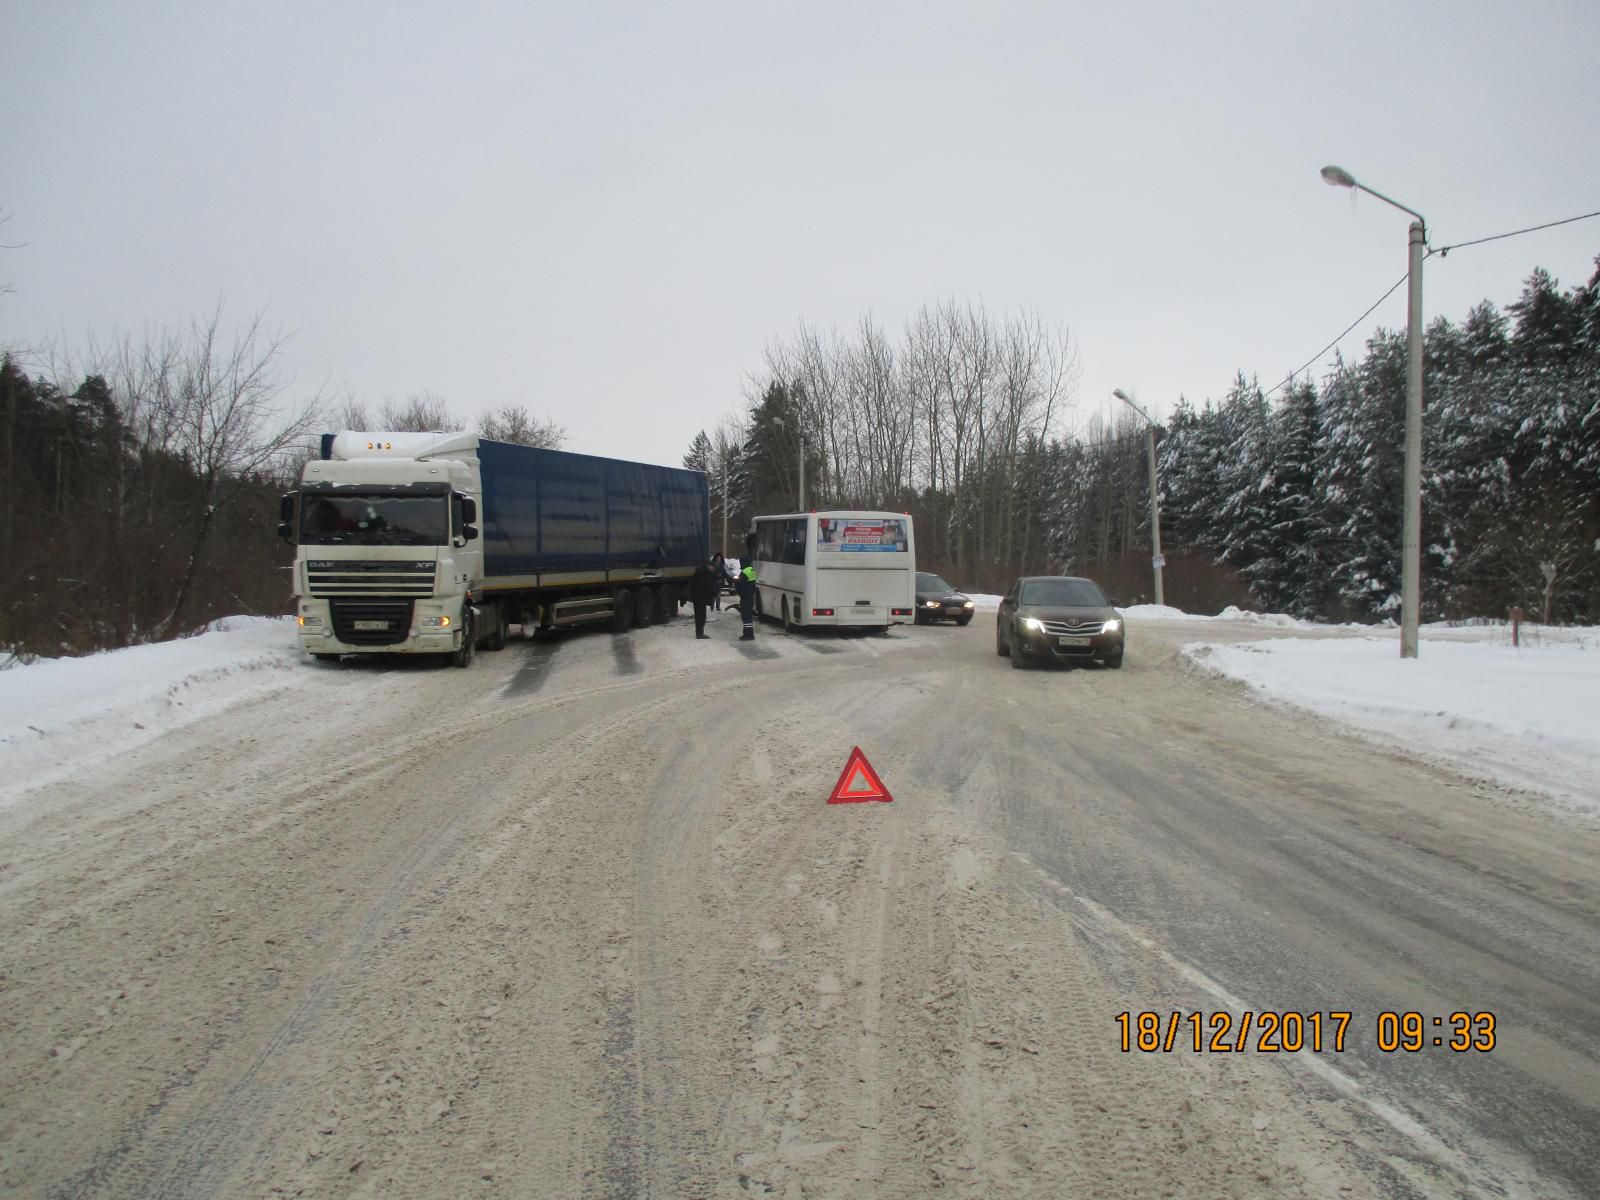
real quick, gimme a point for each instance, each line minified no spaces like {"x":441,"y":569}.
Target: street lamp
{"x":1156,"y":559}
{"x":1411,"y":534}
{"x":801,"y":437}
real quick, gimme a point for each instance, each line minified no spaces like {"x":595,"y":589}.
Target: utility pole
{"x":1157,"y":560}
{"x":1411,"y":509}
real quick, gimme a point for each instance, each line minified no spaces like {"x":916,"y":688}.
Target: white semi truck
{"x":432,"y":543}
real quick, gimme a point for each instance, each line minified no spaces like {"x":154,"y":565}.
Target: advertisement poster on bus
{"x":862,"y":534}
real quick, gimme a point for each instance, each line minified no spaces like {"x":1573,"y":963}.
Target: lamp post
{"x":1156,"y":559}
{"x":800,"y":437}
{"x":1411,"y":533}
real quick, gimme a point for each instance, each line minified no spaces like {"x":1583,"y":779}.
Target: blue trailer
{"x":435,"y":543}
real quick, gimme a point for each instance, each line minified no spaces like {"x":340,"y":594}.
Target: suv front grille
{"x":371,"y":622}
{"x":1074,"y":627}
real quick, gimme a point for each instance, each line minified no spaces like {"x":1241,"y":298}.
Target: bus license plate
{"x":1074,"y":641}
{"x":370,"y":624}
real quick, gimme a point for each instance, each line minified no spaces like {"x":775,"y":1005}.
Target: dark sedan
{"x":938,"y":601}
{"x":1058,"y":618}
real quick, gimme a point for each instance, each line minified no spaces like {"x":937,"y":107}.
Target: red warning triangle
{"x":859,"y":782}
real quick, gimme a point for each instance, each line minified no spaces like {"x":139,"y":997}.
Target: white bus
{"x":847,"y":569}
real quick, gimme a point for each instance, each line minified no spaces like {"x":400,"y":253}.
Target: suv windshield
{"x":1078,"y":592}
{"x":380,"y":520}
{"x":932,"y":583}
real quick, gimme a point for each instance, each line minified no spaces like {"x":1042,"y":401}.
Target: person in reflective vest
{"x":745,"y":585}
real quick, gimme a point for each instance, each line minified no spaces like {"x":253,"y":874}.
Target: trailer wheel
{"x":644,"y":609}
{"x":469,"y":642}
{"x":621,"y":611}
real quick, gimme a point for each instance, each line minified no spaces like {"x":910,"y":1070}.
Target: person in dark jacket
{"x":703,"y":588}
{"x":745,"y":585}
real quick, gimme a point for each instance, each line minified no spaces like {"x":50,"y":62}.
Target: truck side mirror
{"x":469,"y":511}
{"x":286,"y":507}
{"x":469,"y":532}
{"x":286,"y":531}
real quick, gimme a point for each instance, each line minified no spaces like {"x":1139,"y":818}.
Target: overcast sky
{"x":605,"y":211}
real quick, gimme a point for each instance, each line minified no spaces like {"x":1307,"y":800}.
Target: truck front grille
{"x":371,"y":622}
{"x":340,"y":577}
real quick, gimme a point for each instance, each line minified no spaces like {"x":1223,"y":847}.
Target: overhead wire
{"x":1442,"y":251}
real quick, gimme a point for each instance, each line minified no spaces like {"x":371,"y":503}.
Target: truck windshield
{"x":377,"y":520}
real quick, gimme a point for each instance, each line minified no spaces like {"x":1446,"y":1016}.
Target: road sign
{"x":859,"y":782}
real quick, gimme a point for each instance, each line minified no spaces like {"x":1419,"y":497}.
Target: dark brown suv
{"x":1058,"y":618}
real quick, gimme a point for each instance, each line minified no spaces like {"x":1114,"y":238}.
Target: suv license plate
{"x":369,"y":624}
{"x":1074,"y":641}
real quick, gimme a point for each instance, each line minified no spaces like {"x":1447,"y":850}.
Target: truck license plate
{"x":370,"y":624}
{"x":1074,"y":641}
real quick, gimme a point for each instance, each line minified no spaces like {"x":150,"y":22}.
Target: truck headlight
{"x":309,"y":622}
{"x":439,"y":622}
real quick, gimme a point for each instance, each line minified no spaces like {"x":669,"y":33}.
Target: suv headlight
{"x":1111,"y":626}
{"x":1033,"y":624}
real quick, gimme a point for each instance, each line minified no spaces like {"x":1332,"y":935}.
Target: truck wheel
{"x":666,"y":605}
{"x":469,"y":643}
{"x":497,"y":639}
{"x":621,"y":611}
{"x":644,"y":609}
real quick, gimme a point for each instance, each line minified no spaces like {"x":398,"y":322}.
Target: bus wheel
{"x":788,"y":625}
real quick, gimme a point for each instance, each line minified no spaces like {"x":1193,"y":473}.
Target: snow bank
{"x":1525,"y":717}
{"x":61,"y":713}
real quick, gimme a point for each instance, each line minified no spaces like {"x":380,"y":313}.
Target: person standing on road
{"x":703,"y":588}
{"x":745,"y":585}
{"x":719,"y":568}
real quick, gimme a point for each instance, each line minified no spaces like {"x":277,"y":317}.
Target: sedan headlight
{"x":966,"y":604}
{"x":1033,"y":624}
{"x":930,"y":604}
{"x":1111,"y":626}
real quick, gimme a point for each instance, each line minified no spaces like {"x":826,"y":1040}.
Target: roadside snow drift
{"x":1525,"y":717}
{"x":62,"y":714}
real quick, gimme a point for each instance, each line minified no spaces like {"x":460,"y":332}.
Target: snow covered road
{"x":576,"y":922}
